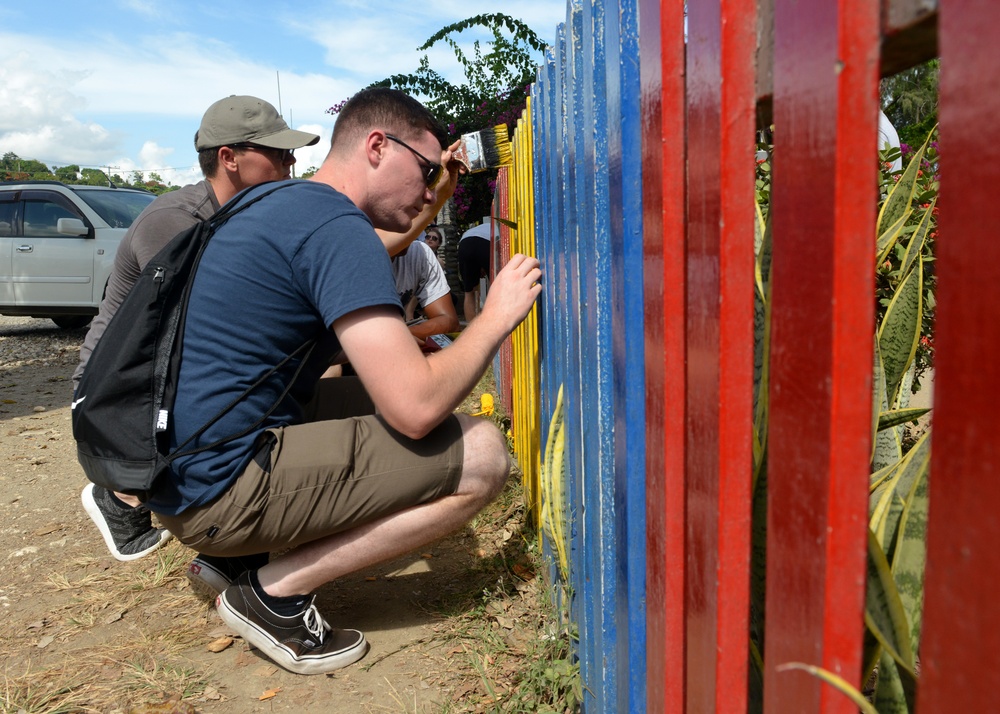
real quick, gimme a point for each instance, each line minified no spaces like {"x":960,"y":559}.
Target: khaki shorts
{"x":322,"y":477}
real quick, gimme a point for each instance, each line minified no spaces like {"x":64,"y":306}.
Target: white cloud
{"x":367,"y":48}
{"x":309,"y":156}
{"x":82,"y":91}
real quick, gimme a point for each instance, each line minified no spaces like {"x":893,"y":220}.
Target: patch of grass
{"x":143,"y":617}
{"x":170,"y":566}
{"x":41,"y":692}
{"x":511,"y":641}
{"x":146,"y":674}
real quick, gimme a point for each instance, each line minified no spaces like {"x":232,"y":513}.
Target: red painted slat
{"x":853,"y":341}
{"x":961,"y":617}
{"x":663,"y":144}
{"x":720,"y":349}
{"x":820,"y":346}
{"x":736,"y":291}
{"x":702,"y":326}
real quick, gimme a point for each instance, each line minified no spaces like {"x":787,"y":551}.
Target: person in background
{"x":474,"y":264}
{"x":420,"y":282}
{"x":241,"y":142}
{"x":435,"y":241}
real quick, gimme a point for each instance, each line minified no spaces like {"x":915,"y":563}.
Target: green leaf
{"x":889,"y":695}
{"x":911,"y":552}
{"x":888,"y":239}
{"x":761,"y":338}
{"x":884,"y":613}
{"x":899,"y":332}
{"x":898,"y":486}
{"x":553,"y":512}
{"x":900,"y":198}
{"x":835,"y":681}
{"x":916,"y":244}
{"x":869,"y":656}
{"x":881,"y":476}
{"x":895,"y":417}
{"x":886,"y":448}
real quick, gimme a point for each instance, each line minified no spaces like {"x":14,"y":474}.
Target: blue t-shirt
{"x":273,"y":277}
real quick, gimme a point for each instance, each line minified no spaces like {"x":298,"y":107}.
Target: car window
{"x":117,"y":207}
{"x":41,"y":217}
{"x":7,"y":215}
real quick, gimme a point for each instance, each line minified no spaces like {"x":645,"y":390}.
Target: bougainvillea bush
{"x":498,"y":76}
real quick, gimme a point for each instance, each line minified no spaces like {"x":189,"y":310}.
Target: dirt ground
{"x":451,"y":628}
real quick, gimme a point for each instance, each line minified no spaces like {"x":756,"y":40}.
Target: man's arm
{"x":441,"y":318}
{"x":432,"y":291}
{"x":415,"y":392}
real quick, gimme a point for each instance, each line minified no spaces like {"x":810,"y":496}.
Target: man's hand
{"x":513,"y":292}
{"x":447,"y":183}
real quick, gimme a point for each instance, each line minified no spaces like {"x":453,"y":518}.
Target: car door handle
{"x":25,"y":248}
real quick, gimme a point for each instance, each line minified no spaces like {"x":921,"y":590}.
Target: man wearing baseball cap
{"x":242,"y":142}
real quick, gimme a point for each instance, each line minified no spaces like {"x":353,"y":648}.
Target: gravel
{"x":30,"y":340}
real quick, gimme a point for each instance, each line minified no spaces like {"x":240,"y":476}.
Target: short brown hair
{"x":208,"y":159}
{"x":387,"y":109}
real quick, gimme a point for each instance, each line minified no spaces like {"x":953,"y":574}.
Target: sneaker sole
{"x":90,"y":506}
{"x":278,"y":654}
{"x":206,"y":581}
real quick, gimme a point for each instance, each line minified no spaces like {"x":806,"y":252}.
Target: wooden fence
{"x":633,"y":182}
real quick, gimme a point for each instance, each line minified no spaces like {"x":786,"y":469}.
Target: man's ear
{"x":227,"y":158}
{"x":375,"y":146}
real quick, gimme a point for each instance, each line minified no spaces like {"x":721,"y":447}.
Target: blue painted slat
{"x":588,"y":213}
{"x":599,"y":326}
{"x":624,"y":162}
{"x":582,"y":541}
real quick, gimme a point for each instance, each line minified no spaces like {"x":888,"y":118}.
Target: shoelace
{"x":315,"y":623}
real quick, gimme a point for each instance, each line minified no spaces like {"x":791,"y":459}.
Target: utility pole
{"x":107,"y":174}
{"x":278,"y":75}
{"x":291,"y":123}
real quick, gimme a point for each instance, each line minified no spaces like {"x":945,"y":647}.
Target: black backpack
{"x":121,"y":408}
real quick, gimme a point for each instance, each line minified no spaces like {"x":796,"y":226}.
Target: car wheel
{"x":71,"y":322}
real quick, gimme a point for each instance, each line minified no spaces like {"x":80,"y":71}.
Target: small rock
{"x":38,"y":409}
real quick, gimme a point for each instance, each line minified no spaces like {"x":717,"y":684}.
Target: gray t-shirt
{"x":163,"y":219}
{"x":418,"y":273}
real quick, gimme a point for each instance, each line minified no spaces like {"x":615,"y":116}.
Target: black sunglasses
{"x":284,"y":154}
{"x":432,"y":171}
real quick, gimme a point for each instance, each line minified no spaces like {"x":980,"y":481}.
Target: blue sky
{"x":123,"y":83}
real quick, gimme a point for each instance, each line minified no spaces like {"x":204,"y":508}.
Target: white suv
{"x":57,"y":245}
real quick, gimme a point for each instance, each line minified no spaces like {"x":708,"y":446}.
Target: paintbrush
{"x":485,"y":149}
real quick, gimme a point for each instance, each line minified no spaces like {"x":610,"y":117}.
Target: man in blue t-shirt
{"x":282,"y":287}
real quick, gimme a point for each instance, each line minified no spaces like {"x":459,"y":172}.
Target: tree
{"x":14,"y":168}
{"x":910,"y":100}
{"x":68,"y":174}
{"x":497,"y":79}
{"x":93,"y":177}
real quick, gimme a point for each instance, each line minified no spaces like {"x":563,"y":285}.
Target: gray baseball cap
{"x":240,"y":119}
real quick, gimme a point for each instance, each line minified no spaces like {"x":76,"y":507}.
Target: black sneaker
{"x":211,"y":574}
{"x":303,"y":643}
{"x":128,"y":532}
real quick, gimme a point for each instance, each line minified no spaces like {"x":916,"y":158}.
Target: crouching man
{"x":320,"y":473}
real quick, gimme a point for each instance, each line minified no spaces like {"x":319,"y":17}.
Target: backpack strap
{"x":307,"y":346}
{"x":230,"y":209}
